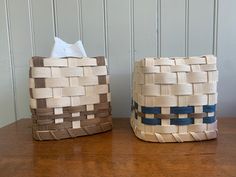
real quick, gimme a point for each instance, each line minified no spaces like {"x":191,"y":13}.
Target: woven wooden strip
{"x":196,"y":77}
{"x":69,"y":97}
{"x":170,"y":101}
{"x":170,"y":133}
{"x":180,"y":68}
{"x":179,"y":89}
{"x":210,"y":59}
{"x":195,"y":60}
{"x":41,"y":72}
{"x":72,"y":133}
{"x":56,"y":82}
{"x":74,"y":62}
{"x":165,"y":78}
{"x":171,"y":116}
{"x":54,"y":62}
{"x":67,"y":123}
{"x":37,"y":61}
{"x":68,"y":116}
{"x":208,"y":67}
{"x":175,"y":99}
{"x":163,"y":61}
{"x":66,"y":72}
{"x":96,"y":71}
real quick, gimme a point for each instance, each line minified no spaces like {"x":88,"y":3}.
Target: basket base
{"x":72,"y":133}
{"x":139,"y":130}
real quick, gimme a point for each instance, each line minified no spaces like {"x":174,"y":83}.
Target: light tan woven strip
{"x":53,"y":135}
{"x":177,"y":137}
{"x":70,"y":133}
{"x":38,"y":136}
{"x":55,"y":62}
{"x":195,"y":136}
{"x":159,"y":138}
{"x":149,"y":133}
{"x":169,"y":101}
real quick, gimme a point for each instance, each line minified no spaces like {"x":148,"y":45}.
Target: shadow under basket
{"x":174,"y":99}
{"x":69,"y":97}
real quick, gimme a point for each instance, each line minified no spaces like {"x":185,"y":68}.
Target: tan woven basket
{"x":174,"y":99}
{"x":69,"y":97}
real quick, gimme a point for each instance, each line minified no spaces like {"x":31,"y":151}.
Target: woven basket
{"x":174,"y":99}
{"x":69,"y":97}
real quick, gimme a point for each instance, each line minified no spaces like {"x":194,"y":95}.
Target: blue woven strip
{"x":184,"y":121}
{"x":153,"y":121}
{"x":151,"y":110}
{"x":209,"y":108}
{"x":182,"y":110}
{"x":208,"y":120}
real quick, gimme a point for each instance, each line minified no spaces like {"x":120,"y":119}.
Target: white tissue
{"x":63,"y":49}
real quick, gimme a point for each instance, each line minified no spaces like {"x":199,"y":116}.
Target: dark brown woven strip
{"x":70,"y":119}
{"x":42,"y":111}
{"x":66,"y":119}
{"x":46,"y":116}
{"x":102,"y":80}
{"x":30,"y":72}
{"x":50,"y":124}
{"x":101,"y":126}
{"x":198,"y":115}
{"x":44,"y":122}
{"x":39,"y":83}
{"x":88,"y":122}
{"x":31,"y":92}
{"x":54,"y":116}
{"x":172,"y":116}
{"x":103,"y":114}
{"x":85,"y":113}
{"x":97,"y":120}
{"x":41,"y":103}
{"x":165,"y":116}
{"x":100,"y":61}
{"x":54,"y":126}
{"x":45,"y":111}
{"x":48,"y":113}
{"x":37,"y":61}
{"x":100,"y":106}
{"x":51,"y":120}
{"x":33,"y":112}
{"x":63,"y":134}
{"x":74,"y":109}
{"x":103,"y":98}
{"x":105,"y":119}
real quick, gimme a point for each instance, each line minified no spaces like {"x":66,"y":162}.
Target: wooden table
{"x":115,"y":153}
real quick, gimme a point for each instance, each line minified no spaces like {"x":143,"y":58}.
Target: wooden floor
{"x":115,"y":153}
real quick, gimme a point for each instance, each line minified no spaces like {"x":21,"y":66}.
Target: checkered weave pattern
{"x":174,"y":99}
{"x":69,"y":97}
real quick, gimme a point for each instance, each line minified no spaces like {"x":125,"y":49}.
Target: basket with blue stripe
{"x":174,"y":99}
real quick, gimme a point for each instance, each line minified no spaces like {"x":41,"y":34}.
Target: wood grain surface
{"x":115,"y":153}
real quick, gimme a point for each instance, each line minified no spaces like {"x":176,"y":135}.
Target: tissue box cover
{"x":69,"y":97}
{"x":174,"y":99}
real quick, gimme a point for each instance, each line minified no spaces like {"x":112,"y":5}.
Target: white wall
{"x":123,"y":31}
{"x":227,"y":57}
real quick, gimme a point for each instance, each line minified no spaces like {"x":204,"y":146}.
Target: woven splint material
{"x":69,"y":97}
{"x":174,"y":99}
